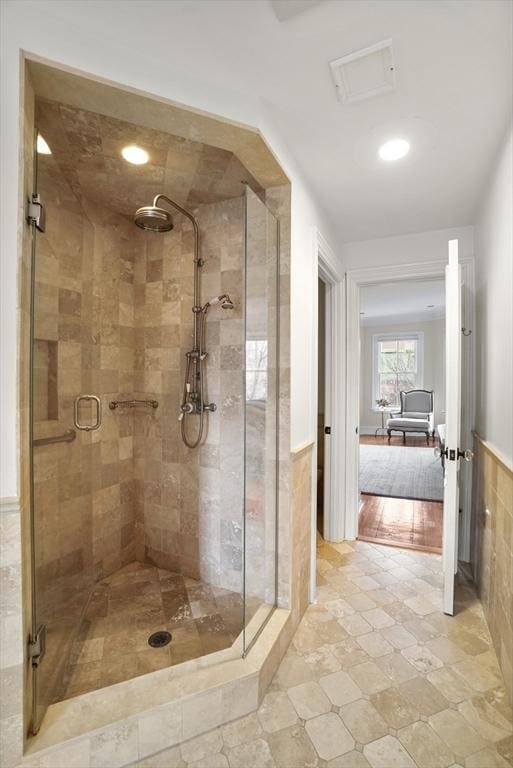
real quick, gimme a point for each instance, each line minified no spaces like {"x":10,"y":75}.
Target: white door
{"x":452,"y":423}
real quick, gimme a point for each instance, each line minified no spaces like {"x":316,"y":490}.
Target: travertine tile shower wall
{"x":84,"y":332}
{"x":189,"y":502}
{"x":492,"y":550}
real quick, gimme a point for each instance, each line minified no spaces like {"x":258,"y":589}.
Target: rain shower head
{"x":153,"y":219}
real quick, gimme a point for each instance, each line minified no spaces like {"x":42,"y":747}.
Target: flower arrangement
{"x":383,"y":403}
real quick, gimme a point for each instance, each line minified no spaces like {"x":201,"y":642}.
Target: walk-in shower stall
{"x":154,"y":333}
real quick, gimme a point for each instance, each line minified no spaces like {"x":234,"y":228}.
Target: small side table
{"x":382,"y":427}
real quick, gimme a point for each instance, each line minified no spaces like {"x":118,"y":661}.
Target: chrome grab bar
{"x":132,"y":403}
{"x":67,"y":437}
{"x":88,"y":427}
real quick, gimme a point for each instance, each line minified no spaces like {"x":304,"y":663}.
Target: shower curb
{"x":145,"y":715}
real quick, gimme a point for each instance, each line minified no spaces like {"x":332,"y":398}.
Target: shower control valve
{"x":210,"y":407}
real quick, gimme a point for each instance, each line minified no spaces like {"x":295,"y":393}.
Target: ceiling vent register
{"x":365,"y":73}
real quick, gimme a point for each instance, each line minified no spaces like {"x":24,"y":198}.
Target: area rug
{"x":403,"y":472}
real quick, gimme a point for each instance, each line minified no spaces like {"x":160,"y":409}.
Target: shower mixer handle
{"x":210,"y":407}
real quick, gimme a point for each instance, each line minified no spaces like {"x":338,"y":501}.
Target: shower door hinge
{"x":36,"y":212}
{"x":37,"y":646}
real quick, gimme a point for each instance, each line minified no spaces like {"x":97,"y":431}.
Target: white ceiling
{"x":406,"y":301}
{"x":452,"y":101}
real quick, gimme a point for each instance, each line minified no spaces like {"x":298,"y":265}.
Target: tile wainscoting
{"x":492,"y":548}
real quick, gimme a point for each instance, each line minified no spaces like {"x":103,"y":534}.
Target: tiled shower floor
{"x":128,"y":606}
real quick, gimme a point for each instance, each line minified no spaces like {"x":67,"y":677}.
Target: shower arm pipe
{"x":197,"y":261}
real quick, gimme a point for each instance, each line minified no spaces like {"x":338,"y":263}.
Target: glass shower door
{"x":62,"y":455}
{"x":260,"y":414}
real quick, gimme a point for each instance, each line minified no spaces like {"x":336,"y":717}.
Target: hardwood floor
{"x":411,"y":440}
{"x":400,"y":522}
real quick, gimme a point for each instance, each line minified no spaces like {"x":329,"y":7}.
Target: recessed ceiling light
{"x":430,"y":306}
{"x":135,"y":155}
{"x":394,"y":150}
{"x":362,"y":313}
{"x":42,"y":146}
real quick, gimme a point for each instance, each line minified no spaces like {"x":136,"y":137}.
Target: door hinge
{"x":36,"y":213}
{"x":327,"y":430}
{"x":37,"y":646}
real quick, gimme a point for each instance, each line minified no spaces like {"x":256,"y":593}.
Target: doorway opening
{"x":402,"y":413}
{"x":321,"y":403}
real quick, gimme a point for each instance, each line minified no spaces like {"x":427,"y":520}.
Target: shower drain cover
{"x":159,"y":639}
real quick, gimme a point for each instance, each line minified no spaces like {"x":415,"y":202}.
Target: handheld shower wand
{"x":156,"y":219}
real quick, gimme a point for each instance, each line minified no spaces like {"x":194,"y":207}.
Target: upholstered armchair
{"x":416,"y":414}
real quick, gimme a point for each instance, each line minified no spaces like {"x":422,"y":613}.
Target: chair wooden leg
{"x":389,"y":435}
{"x":404,"y":438}
{"x":427,"y":438}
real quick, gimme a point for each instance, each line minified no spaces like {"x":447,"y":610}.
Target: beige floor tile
{"x":423,"y":696}
{"x":252,"y":753}
{"x":374,"y":644}
{"x":401,"y":574}
{"x":469,"y":642}
{"x":331,"y":632}
{"x":307,"y":637}
{"x":246,"y":729}
{"x":361,"y":601}
{"x":420,"y":605}
{"x":207,"y":744}
{"x":329,"y":736}
{"x":349,"y":653}
{"x":365,"y":583}
{"x":486,"y":758}
{"x":351,"y":759}
{"x":450,"y":684}
{"x":363,"y":721}
{"x":355,"y":625}
{"x":309,"y":700}
{"x":340,"y":688}
{"x":369,"y":678}
{"x":322,"y":661}
{"x":485,"y":719}
{"x":424,"y":746}
{"x":276,"y":712}
{"x":421,"y":658}
{"x":478,"y":673}
{"x":293,"y":670}
{"x":291,"y":747}
{"x":396,"y":667}
{"x":169,"y":758}
{"x":505,"y":748}
{"x":421,"y":629}
{"x":446,"y":650}
{"x":387,"y":752}
{"x":457,"y":733}
{"x":381,"y":596}
{"x":339,"y":608}
{"x":211,"y":761}
{"x":395,"y":708}
{"x":398,"y":636}
{"x":378,"y":618}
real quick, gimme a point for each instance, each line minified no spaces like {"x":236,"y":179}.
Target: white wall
{"x":407,"y":249}
{"x":86,"y":36}
{"x":434,"y":367}
{"x":494,"y":298}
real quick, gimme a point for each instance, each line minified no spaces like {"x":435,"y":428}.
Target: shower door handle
{"x":97,"y":402}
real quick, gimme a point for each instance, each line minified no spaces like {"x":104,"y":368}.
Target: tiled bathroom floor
{"x":131,"y":604}
{"x":376,"y":676}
